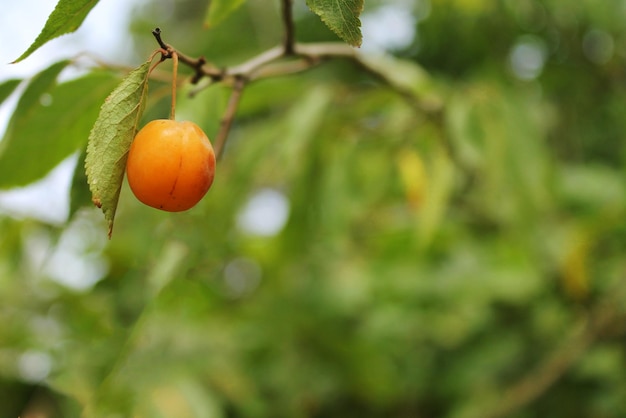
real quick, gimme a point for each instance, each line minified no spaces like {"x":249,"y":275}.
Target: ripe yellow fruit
{"x":171,"y":165}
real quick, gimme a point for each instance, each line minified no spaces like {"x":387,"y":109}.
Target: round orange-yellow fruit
{"x":170,"y":165}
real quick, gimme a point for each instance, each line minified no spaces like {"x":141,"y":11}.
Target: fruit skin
{"x":171,"y":165}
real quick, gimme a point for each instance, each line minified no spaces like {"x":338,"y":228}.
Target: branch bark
{"x":229,"y":116}
{"x":287,"y":58}
{"x":529,"y":388}
{"x":289,"y":41}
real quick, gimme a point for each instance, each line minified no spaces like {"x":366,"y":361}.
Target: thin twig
{"x":157,"y":35}
{"x":228,"y":117}
{"x":246,"y":69}
{"x":531,"y":386}
{"x":198,"y":64}
{"x":289,"y":41}
{"x":281,"y":69}
{"x":174,"y":74}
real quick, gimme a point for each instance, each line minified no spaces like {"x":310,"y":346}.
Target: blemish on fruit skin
{"x":180,"y":165}
{"x":97,"y":202}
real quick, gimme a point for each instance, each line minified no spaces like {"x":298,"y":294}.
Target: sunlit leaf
{"x":55,"y":126}
{"x":220,"y":10}
{"x":413,"y":176}
{"x":7,"y":87}
{"x":341,"y":16}
{"x":110,"y":139}
{"x":66,"y":17}
{"x":438,"y":193}
{"x":575,"y":264}
{"x":405,"y":76}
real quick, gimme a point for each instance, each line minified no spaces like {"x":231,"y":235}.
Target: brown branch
{"x":229,"y":116}
{"x":289,"y":41}
{"x":265,"y":65}
{"x":197,"y":64}
{"x":530,"y":387}
{"x":248,"y":68}
{"x":288,"y":58}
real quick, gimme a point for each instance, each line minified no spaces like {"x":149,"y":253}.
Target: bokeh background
{"x":361,"y":253}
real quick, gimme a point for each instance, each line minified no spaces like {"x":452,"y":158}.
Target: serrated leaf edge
{"x":94,"y":187}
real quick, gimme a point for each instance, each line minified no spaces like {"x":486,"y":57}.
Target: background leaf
{"x":7,"y":87}
{"x":341,"y":16}
{"x":220,"y":10}
{"x":56,"y":125}
{"x":38,"y":85}
{"x":110,"y":140}
{"x":66,"y":17}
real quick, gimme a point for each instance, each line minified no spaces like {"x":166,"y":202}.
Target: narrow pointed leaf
{"x":50,"y":129}
{"x":110,"y":139}
{"x":66,"y":17}
{"x":341,"y":16}
{"x":7,"y":87}
{"x":220,"y":10}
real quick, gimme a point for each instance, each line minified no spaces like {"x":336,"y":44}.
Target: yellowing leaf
{"x":66,"y":17}
{"x":574,"y":267}
{"x":110,"y":139}
{"x":441,"y":175}
{"x":341,"y":16}
{"x":413,"y":176}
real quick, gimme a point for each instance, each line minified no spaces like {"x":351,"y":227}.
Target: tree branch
{"x":229,"y":116}
{"x":289,"y":41}
{"x":530,"y":387}
{"x":287,"y":58}
{"x":249,"y":68}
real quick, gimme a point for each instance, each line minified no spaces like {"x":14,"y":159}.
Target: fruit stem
{"x":174,"y":73}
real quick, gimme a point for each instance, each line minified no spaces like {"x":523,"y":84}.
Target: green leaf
{"x":220,"y":10}
{"x":51,"y":127}
{"x":37,"y":87}
{"x":341,"y":16}
{"x":7,"y":88}
{"x":406,"y":76}
{"x":29,"y":101}
{"x":110,"y":139}
{"x":66,"y":17}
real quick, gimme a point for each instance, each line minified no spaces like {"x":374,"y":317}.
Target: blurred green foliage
{"x":466,"y":262}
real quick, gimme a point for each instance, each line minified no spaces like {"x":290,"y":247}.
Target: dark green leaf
{"x":7,"y":88}
{"x":341,"y":16}
{"x":55,"y":126}
{"x":220,"y":10}
{"x":66,"y":17}
{"x":110,"y":139}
